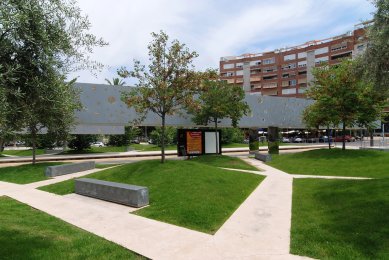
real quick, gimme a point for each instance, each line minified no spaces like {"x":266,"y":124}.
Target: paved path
{"x":258,"y":229}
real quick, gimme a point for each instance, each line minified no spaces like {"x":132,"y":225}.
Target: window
{"x":229,"y":74}
{"x":270,"y":77}
{"x":360,"y":47}
{"x":229,"y":66}
{"x":342,"y":55}
{"x":269,"y":85}
{"x":255,"y":63}
{"x":289,"y":91}
{"x":239,"y":65}
{"x":292,"y":82}
{"x":302,"y":90}
{"x":239,"y":73}
{"x":255,"y":71}
{"x":302,"y":63}
{"x":289,"y":66}
{"x":339,"y":46}
{"x":269,"y":61}
{"x":321,"y":51}
{"x":290,"y":57}
{"x":304,"y":72}
{"x":302,"y":55}
{"x":270,"y":69}
{"x":321,"y":60}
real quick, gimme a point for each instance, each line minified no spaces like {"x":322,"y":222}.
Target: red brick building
{"x":287,"y":71}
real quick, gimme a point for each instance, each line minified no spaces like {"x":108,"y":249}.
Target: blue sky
{"x":213,"y":28}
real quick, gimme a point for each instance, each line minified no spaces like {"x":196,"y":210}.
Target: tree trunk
{"x":371,"y":138}
{"x":163,"y":139}
{"x":217,"y":143}
{"x":2,"y":141}
{"x":33,"y":140}
{"x":329,"y":139}
{"x":344,"y":137}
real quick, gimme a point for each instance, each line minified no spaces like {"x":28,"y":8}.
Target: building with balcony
{"x":288,"y":71}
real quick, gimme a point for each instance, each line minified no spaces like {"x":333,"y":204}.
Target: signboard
{"x":197,"y":142}
{"x":194,"y":142}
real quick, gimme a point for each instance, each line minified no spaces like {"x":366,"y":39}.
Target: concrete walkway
{"x":258,"y":229}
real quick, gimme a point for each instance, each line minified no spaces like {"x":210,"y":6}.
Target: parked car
{"x":150,"y":141}
{"x":246,"y":141}
{"x":135,"y":141}
{"x":348,"y":138}
{"x":298,"y":140}
{"x":324,"y":139}
{"x":97,"y":144}
{"x":285,"y":140}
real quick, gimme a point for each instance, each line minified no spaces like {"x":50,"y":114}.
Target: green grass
{"x":340,"y":219}
{"x":103,"y":166}
{"x":105,"y":149}
{"x":224,"y":161}
{"x":23,"y":152}
{"x":334,"y":162}
{"x":152,"y":147}
{"x":235,"y":145}
{"x":26,"y":173}
{"x":26,"y":233}
{"x":184,"y":193}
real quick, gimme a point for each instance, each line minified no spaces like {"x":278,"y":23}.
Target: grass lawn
{"x":235,"y":145}
{"x":27,"y":233}
{"x":225,"y":162}
{"x":23,"y":152}
{"x":152,"y":147}
{"x":105,"y":149}
{"x":26,"y":173}
{"x":191,"y":194}
{"x":340,"y":219}
{"x":334,"y":162}
{"x":103,"y":166}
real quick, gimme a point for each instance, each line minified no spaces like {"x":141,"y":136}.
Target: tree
{"x":115,"y":82}
{"x":167,"y":86}
{"x":340,"y":97}
{"x":46,"y":39}
{"x":130,"y":133}
{"x":170,"y":135}
{"x":218,"y":100}
{"x":320,"y":114}
{"x":82,"y":142}
{"x":376,"y":57}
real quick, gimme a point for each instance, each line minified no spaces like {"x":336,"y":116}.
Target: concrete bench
{"x":131,"y":195}
{"x":52,"y":171}
{"x":263,"y":157}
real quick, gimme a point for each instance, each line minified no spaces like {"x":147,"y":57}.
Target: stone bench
{"x":263,"y":157}
{"x":52,"y":171}
{"x":131,"y":195}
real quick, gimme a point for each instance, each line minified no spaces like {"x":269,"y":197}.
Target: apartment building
{"x":287,"y":71}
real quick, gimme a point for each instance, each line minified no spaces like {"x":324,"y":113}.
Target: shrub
{"x":232,"y":135}
{"x":82,"y":142}
{"x":170,"y":135}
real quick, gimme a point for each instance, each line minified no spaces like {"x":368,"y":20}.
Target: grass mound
{"x":26,"y":173}
{"x":338,"y":219}
{"x":334,"y":162}
{"x":185,"y":193}
{"x":26,"y":233}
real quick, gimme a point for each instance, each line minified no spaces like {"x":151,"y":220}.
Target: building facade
{"x":287,"y":71}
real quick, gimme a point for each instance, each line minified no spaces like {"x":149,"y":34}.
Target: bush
{"x":130,"y":133}
{"x":81,"y":142}
{"x":232,"y":135}
{"x":170,"y":135}
{"x":254,"y":146}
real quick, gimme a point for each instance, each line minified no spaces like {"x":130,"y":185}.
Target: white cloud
{"x":213,"y":28}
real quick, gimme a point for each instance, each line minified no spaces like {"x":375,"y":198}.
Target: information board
{"x":197,"y":142}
